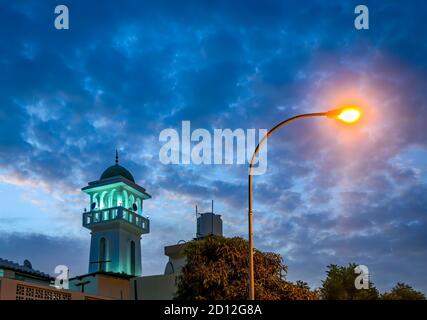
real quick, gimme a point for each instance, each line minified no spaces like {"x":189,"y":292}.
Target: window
{"x":132,"y":257}
{"x":102,"y":254}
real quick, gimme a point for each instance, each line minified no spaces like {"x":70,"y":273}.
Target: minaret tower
{"x":116,"y":221}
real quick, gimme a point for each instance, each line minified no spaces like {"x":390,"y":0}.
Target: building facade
{"x":116,"y":221}
{"x":22,"y":282}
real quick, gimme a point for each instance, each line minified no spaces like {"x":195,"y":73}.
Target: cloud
{"x":45,"y":253}
{"x":118,"y":77}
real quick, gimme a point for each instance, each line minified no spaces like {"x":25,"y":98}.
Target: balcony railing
{"x":116,"y":213}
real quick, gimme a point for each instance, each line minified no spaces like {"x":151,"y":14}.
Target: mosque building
{"x":116,"y":219}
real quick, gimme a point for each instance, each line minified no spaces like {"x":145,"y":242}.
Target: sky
{"x":124,"y":72}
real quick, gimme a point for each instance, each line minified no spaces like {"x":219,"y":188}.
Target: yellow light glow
{"x":349,"y":115}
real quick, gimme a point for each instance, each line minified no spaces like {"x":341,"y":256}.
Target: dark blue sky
{"x":125,"y":71}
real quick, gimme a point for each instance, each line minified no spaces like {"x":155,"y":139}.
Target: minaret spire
{"x":117,"y":157}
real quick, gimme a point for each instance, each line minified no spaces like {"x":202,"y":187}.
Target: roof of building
{"x":118,"y":179}
{"x":105,"y":273}
{"x":26,"y":268}
{"x":117,"y":170}
{"x":176,"y":250}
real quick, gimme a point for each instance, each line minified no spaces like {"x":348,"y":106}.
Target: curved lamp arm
{"x":269,"y":133}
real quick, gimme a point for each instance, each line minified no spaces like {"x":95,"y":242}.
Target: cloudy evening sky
{"x":127,"y":70}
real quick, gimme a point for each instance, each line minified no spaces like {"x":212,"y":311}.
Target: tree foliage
{"x":339,"y":285}
{"x":217,"y":268}
{"x":402,"y":291}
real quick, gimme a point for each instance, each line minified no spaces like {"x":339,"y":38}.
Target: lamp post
{"x":348,"y":115}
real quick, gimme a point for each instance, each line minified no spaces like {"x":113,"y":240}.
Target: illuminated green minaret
{"x":116,"y":221}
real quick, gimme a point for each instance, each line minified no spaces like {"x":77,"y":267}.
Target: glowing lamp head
{"x":348,"y":115}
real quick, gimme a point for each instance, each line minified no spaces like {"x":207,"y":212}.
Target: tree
{"x":217,"y":268}
{"x":339,"y":285}
{"x":402,"y":291}
{"x":302,"y":284}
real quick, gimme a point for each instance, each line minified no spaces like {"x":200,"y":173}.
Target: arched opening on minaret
{"x":132,"y":257}
{"x":125,"y":199}
{"x":102,"y":254}
{"x":103,"y":202}
{"x":139,"y":205}
{"x":131,"y":201}
{"x":94,"y":203}
{"x":114,"y":198}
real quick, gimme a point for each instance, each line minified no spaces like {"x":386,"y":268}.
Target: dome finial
{"x":117,"y":157}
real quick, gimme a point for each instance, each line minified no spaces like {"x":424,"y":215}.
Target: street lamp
{"x":347,"y":114}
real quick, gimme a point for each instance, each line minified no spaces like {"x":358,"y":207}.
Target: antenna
{"x":212,"y":206}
